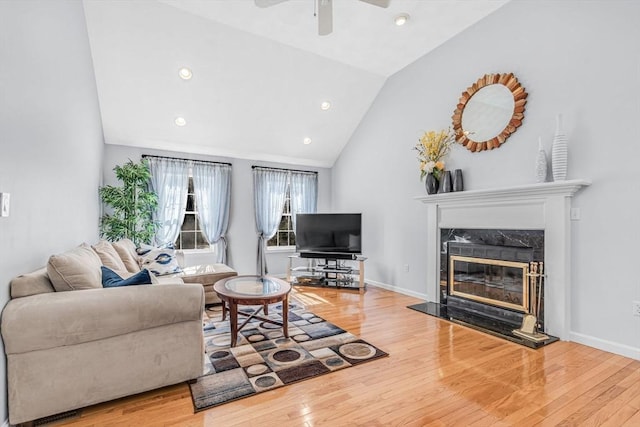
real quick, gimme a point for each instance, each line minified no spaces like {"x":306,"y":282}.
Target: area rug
{"x":263,"y":359}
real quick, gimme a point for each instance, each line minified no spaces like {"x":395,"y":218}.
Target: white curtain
{"x":212,"y":186}
{"x":269,"y":190}
{"x":170,"y":181}
{"x":303,"y":193}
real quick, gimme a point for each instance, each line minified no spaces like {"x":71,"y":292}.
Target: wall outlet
{"x":406,"y":268}
{"x":636,"y":308}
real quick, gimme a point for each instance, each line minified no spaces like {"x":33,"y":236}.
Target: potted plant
{"x":131,"y":205}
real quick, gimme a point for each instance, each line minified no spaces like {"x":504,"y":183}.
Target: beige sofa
{"x":71,"y":343}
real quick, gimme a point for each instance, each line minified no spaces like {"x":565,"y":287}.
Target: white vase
{"x":541,"y":163}
{"x":559,"y":152}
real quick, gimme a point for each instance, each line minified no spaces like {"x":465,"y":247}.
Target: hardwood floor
{"x":437,"y":373}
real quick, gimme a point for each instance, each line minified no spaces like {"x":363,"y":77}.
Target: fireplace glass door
{"x":490,"y":281}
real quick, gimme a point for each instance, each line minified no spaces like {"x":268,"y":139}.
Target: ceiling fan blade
{"x":267,"y":3}
{"x":380,"y":3}
{"x":325,"y":17}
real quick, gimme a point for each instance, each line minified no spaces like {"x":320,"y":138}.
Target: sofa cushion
{"x":36,"y":282}
{"x":160,"y":261}
{"x":110,"y":279}
{"x":76,"y":269}
{"x":127,"y":251}
{"x":108,"y":255}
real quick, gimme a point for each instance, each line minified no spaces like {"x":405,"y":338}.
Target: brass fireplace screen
{"x":490,"y":281}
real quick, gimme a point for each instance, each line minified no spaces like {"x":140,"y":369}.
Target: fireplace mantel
{"x":560,"y":188}
{"x":545,"y":206}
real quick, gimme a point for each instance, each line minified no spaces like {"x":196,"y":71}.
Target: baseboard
{"x":600,"y":344}
{"x":396,"y":289}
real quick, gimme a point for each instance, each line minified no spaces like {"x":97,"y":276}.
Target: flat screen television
{"x":329,"y":235}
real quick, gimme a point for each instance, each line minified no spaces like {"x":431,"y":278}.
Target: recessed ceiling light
{"x":307,"y":141}
{"x":401,"y":19}
{"x":185,"y":73}
{"x":325,"y":105}
{"x":180,"y":121}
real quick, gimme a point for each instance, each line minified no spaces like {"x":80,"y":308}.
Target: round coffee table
{"x":252,"y":290}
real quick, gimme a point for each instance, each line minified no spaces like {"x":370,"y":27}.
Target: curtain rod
{"x":283,"y":169}
{"x":144,"y":156}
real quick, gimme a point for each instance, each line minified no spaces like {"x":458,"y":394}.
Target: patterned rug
{"x":263,"y":359}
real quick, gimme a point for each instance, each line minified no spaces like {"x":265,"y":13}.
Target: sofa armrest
{"x":59,"y":319}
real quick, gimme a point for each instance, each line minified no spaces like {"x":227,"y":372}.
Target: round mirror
{"x":489,"y":112}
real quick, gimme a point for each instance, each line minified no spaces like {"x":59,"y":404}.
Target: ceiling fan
{"x":325,"y":11}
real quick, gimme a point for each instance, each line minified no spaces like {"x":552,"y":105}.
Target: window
{"x":285,"y":236}
{"x":191,"y":236}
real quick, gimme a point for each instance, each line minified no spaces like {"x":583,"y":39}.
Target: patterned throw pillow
{"x":159,"y":261}
{"x":144,"y":249}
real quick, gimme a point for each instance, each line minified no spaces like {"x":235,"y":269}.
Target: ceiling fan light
{"x":325,"y":105}
{"x":185,"y":73}
{"x":401,"y":19}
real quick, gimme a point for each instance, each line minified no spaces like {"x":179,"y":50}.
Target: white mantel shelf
{"x":559,"y":188}
{"x":545,"y":206}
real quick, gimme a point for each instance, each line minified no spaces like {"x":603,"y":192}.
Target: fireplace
{"x":486,"y":278}
{"x":533,"y":218}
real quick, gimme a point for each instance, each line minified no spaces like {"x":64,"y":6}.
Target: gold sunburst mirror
{"x":489,"y":111}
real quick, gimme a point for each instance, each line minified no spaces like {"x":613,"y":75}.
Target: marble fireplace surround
{"x":545,"y":206}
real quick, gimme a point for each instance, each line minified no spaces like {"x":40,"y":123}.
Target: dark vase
{"x":457,"y":180}
{"x":431,"y":184}
{"x":445,"y":182}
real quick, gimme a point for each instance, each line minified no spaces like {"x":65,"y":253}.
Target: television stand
{"x":328,"y":272}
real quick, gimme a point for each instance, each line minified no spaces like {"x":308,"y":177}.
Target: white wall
{"x":50,"y":138}
{"x":576,"y":58}
{"x":241,"y":236}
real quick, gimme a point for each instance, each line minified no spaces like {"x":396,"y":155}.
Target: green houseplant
{"x":131,"y":205}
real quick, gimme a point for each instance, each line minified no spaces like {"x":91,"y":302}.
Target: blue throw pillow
{"x":110,"y":278}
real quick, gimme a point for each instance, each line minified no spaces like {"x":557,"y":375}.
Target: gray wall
{"x":576,"y":58}
{"x":241,"y":236}
{"x":50,"y":135}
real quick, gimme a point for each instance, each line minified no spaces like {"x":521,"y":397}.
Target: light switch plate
{"x":4,"y":204}
{"x":575,"y":214}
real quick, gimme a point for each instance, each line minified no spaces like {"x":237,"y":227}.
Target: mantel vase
{"x":559,"y":152}
{"x":445,"y":182}
{"x":458,"y":185}
{"x":431,"y":184}
{"x":541,"y":163}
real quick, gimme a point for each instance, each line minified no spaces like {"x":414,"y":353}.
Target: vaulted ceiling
{"x":259,"y":74}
